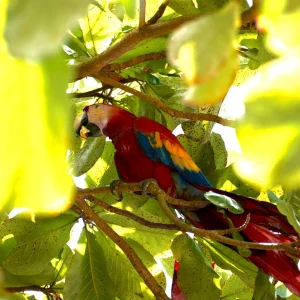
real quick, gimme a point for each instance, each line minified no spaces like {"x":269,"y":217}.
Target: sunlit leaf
{"x":235,"y":288}
{"x":210,"y":78}
{"x":131,"y":6}
{"x":269,"y":132}
{"x":128,"y":283}
{"x":195,"y":275}
{"x":98,"y":29}
{"x":37,"y":242}
{"x":8,"y":243}
{"x":42,"y":278}
{"x":229,"y":259}
{"x":33,"y":157}
{"x":183,"y":7}
{"x":40,"y":26}
{"x":88,"y":277}
{"x":281,"y":20}
{"x":156,"y":241}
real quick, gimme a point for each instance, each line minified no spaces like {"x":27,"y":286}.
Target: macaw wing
{"x":159,"y":144}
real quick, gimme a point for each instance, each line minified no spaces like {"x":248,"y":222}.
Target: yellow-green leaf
{"x":207,"y":57}
{"x":36,"y":28}
{"x":35,"y":131}
{"x":269,"y":132}
{"x":281,"y":20}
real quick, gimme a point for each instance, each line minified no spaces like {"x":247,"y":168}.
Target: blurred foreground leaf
{"x":269,"y":132}
{"x":210,"y":78}
{"x":281,"y":20}
{"x":36,"y":131}
{"x":35,"y":28}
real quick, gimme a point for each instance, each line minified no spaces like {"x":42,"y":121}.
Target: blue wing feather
{"x":172,"y":154}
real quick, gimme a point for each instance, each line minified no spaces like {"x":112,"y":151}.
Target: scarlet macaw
{"x":146,"y":149}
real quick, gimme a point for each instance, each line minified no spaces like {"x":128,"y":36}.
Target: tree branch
{"x":135,"y":61}
{"x":127,"y":249}
{"x":162,"y":197}
{"x":165,"y":108}
{"x":132,"y":38}
{"x":130,"y":215}
{"x":159,"y":13}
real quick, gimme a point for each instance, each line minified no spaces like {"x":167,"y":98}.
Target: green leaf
{"x":277,"y":127}
{"x":264,"y":290}
{"x":229,"y":259}
{"x":210,"y":78}
{"x":131,"y":7}
{"x":104,"y":171}
{"x":186,"y":7}
{"x":87,"y":277}
{"x":234,"y":288}
{"x":152,"y":79}
{"x":213,"y":5}
{"x":148,"y":46}
{"x":289,"y":206}
{"x":63,"y":263}
{"x":8,"y":243}
{"x":37,"y":242}
{"x":224,"y":202}
{"x":219,"y":149}
{"x":195,"y":275}
{"x":88,"y":155}
{"x":128,"y":283}
{"x":149,"y":262}
{"x":118,"y":9}
{"x":99,"y":28}
{"x":33,"y":18}
{"x":46,"y":277}
{"x":156,"y":241}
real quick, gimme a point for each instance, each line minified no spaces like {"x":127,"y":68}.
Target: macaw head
{"x":97,"y":119}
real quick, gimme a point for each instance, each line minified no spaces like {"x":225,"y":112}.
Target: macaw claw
{"x":145,"y":184}
{"x":114,"y":185}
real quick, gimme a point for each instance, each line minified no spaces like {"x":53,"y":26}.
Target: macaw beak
{"x":84,"y":128}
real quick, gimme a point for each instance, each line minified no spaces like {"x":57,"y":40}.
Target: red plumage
{"x":146,"y":149}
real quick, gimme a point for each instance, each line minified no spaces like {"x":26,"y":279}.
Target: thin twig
{"x":131,"y":39}
{"x":132,"y":216}
{"x":127,"y":249}
{"x":135,"y":187}
{"x":142,"y":16}
{"x":165,"y":108}
{"x":159,"y":13}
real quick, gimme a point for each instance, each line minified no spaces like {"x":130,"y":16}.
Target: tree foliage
{"x":174,"y":64}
